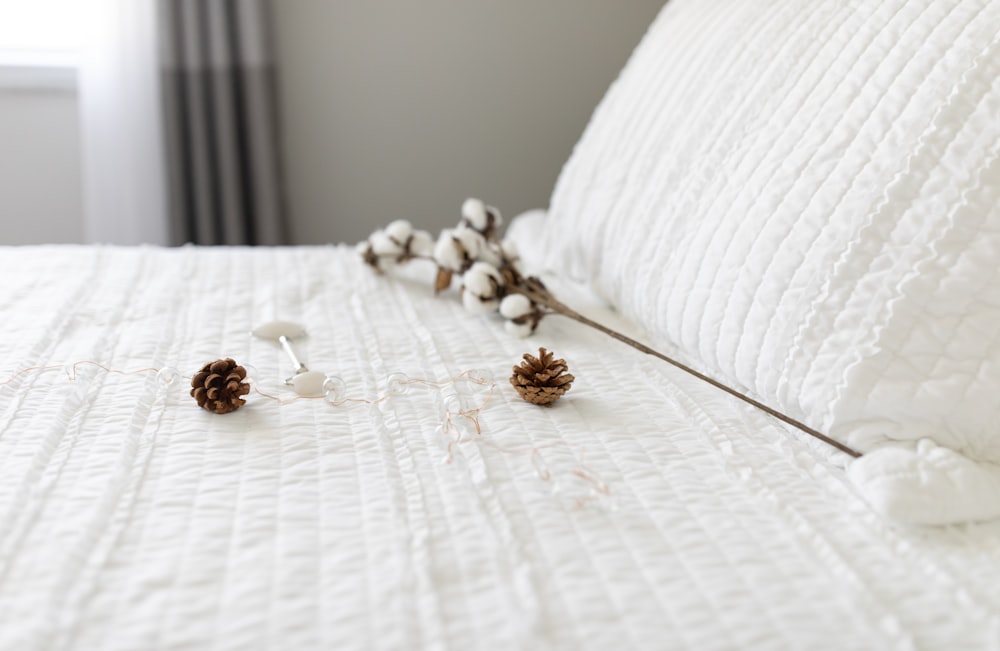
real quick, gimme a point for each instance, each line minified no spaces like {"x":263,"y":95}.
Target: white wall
{"x":40,"y":183}
{"x":390,"y":108}
{"x":397,"y":108}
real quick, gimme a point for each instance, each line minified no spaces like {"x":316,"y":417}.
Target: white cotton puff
{"x":474,"y":211}
{"x":448,"y":252}
{"x":382,"y":244}
{"x":514,"y":306}
{"x":509,"y":249}
{"x":476,"y":305}
{"x":361,"y":248}
{"x":497,"y":217}
{"x":489,"y":270}
{"x":472,"y":241}
{"x":479,"y":283}
{"x":422,"y":244}
{"x":519,"y":330}
{"x":399,"y":230}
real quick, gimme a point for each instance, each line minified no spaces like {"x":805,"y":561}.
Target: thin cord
{"x":71,"y":375}
{"x":449,"y":427}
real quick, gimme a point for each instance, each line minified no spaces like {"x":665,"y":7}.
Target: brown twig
{"x":534,"y":290}
{"x":538,"y":293}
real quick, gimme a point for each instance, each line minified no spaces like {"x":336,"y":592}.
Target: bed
{"x":419,"y":502}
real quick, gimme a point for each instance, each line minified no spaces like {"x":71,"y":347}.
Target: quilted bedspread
{"x":643,"y":510}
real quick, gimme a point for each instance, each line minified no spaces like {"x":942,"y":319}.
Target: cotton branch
{"x":492,"y":281}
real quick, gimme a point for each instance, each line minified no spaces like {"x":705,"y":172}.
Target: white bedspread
{"x":131,"y":519}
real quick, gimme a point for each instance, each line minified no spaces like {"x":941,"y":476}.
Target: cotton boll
{"x":482,"y":280}
{"x":399,"y":230}
{"x":477,"y":305}
{"x":455,"y":248}
{"x":514,"y":306}
{"x":422,"y":244}
{"x":509,"y":254}
{"x":472,"y":241}
{"x":519,"y":330}
{"x":483,"y":285}
{"x":509,"y":249}
{"x":384,"y":245}
{"x":494,"y":212}
{"x":448,"y":251}
{"x":478,"y":284}
{"x":474,"y":211}
{"x":369,"y":257}
{"x":487,"y":269}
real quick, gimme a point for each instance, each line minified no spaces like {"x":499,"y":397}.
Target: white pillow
{"x":805,"y":197}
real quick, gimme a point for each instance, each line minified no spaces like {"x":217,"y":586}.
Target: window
{"x":40,"y":42}
{"x":41,"y":33}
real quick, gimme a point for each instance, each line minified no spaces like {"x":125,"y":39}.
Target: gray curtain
{"x":221,"y":130}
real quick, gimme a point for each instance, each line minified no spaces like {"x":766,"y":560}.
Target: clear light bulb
{"x":397,"y":383}
{"x":334,"y":388}
{"x":167,"y":376}
{"x":460,"y":417}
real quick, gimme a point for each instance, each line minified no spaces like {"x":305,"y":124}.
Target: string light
{"x":460,"y":421}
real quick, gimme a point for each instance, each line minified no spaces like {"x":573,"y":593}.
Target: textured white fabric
{"x":804,"y":197}
{"x":131,"y":519}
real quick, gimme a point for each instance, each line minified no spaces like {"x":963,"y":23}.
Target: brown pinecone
{"x":541,"y":380}
{"x":218,"y":386}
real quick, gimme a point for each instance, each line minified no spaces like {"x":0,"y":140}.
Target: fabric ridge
{"x":804,"y":198}
{"x":130,"y":518}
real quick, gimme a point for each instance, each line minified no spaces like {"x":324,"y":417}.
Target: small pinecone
{"x":541,"y":380}
{"x":218,"y":386}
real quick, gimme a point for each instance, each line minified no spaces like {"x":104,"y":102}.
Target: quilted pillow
{"x":804,"y":198}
